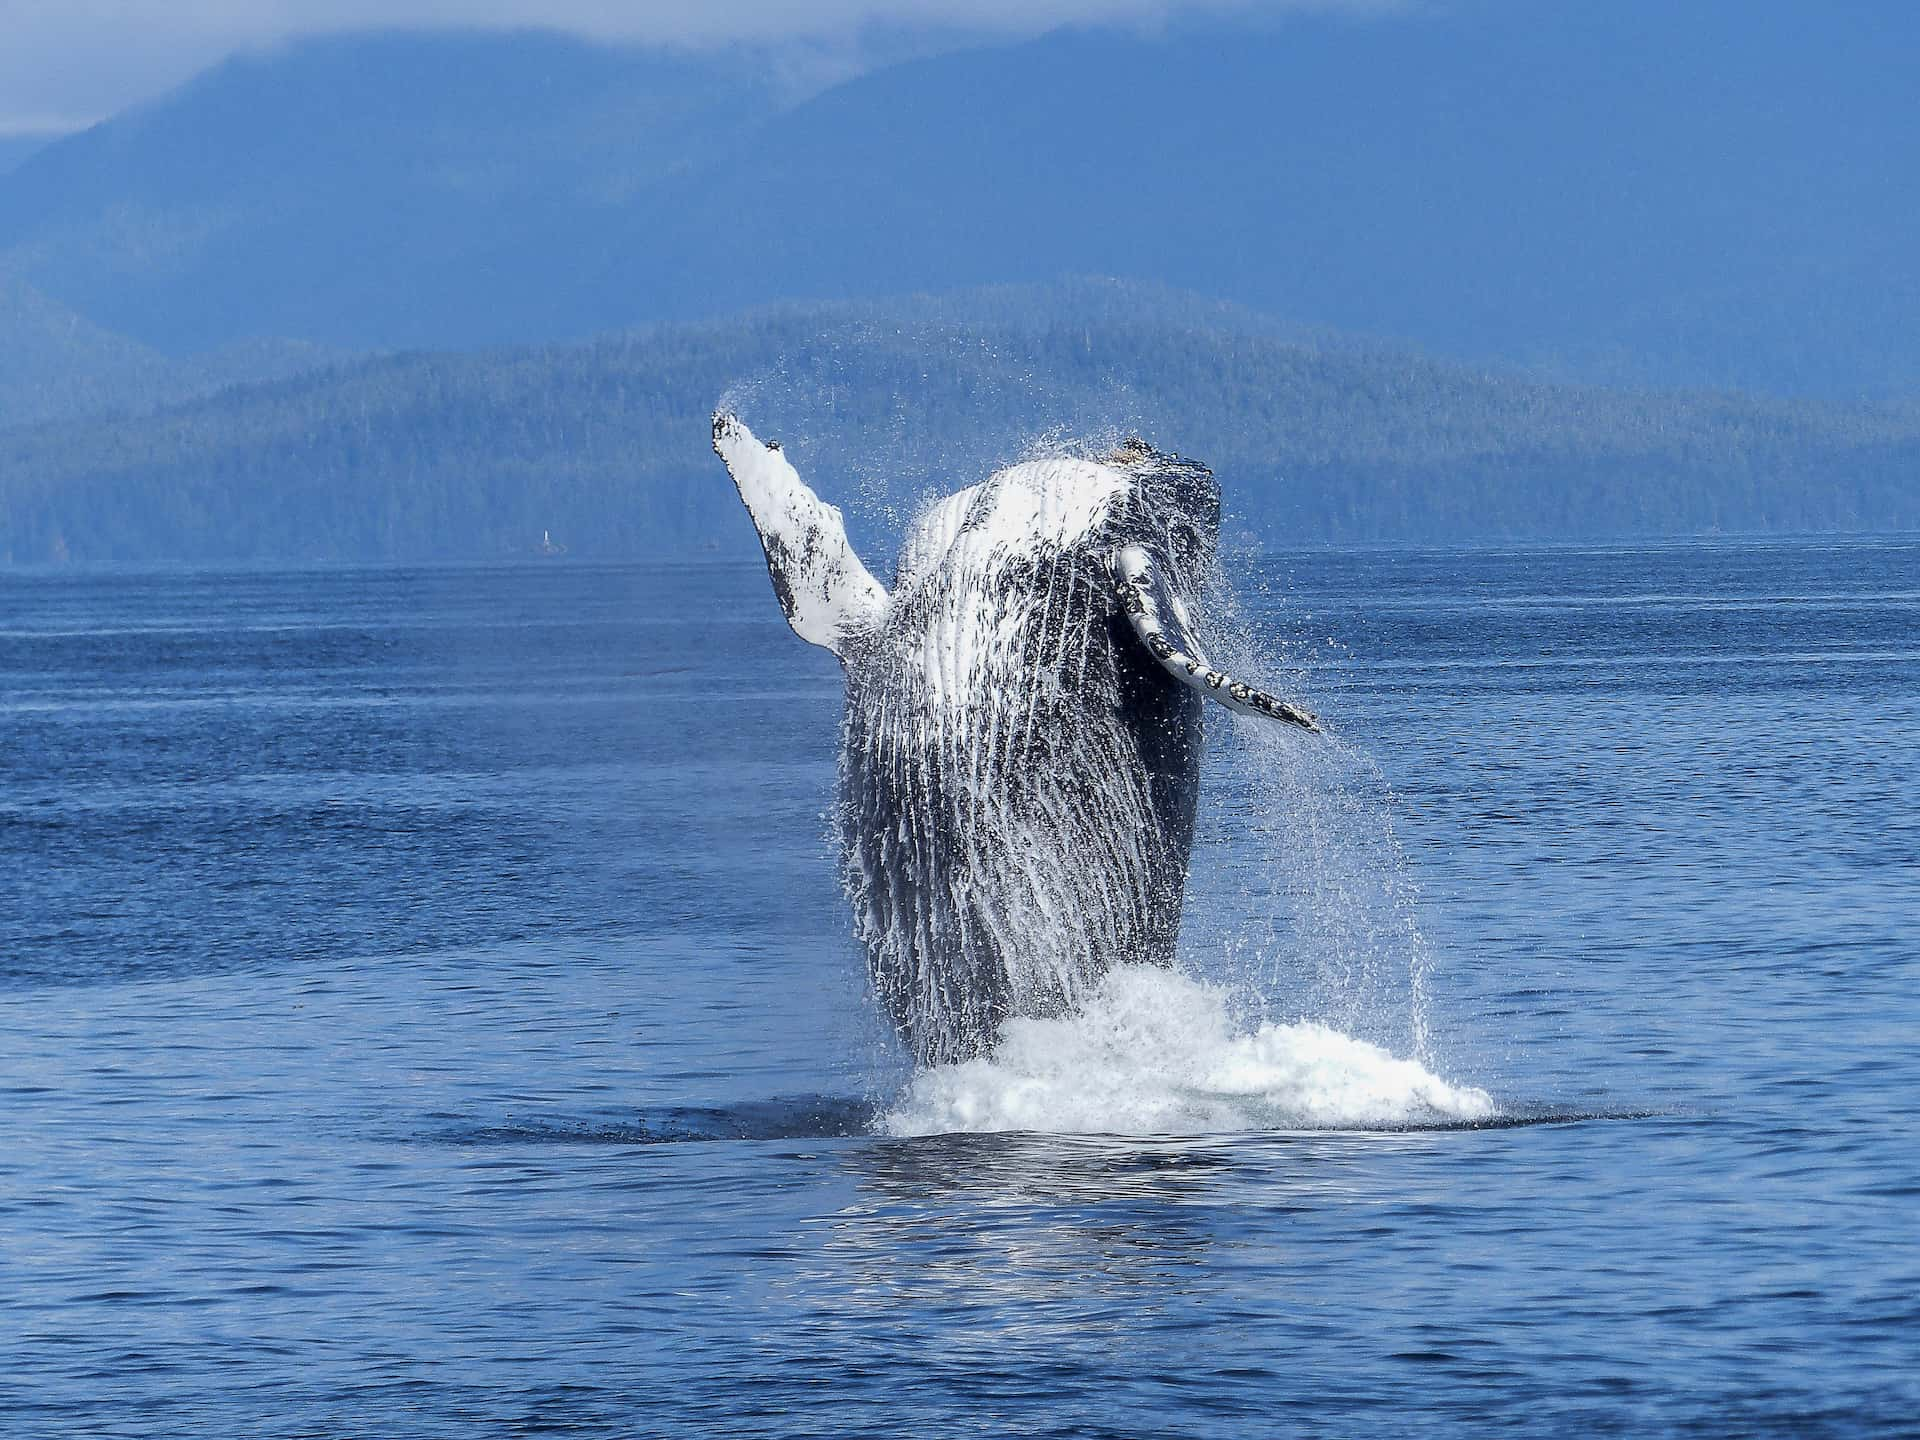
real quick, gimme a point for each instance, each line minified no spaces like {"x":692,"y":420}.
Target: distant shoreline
{"x":746,"y":557}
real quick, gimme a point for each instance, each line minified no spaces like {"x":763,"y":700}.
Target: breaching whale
{"x":1020,"y":755}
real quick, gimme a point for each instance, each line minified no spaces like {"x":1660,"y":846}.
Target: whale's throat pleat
{"x":983,"y":885}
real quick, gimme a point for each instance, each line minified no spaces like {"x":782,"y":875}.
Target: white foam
{"x":1155,"y":1052}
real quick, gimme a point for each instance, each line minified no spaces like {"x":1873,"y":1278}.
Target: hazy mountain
{"x":1715,"y":192}
{"x":473,"y":455}
{"x":14,"y":149}
{"x":57,"y":365}
{"x":367,"y":190}
{"x":1712,"y":193}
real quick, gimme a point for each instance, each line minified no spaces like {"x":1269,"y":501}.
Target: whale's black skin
{"x":1020,"y":762}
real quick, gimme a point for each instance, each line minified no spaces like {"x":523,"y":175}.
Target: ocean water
{"x":427,"y":1009}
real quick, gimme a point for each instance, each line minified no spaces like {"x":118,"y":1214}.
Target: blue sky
{"x":67,"y":63}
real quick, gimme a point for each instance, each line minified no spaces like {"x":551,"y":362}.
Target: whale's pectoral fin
{"x":1160,"y":620}
{"x":830,"y":597}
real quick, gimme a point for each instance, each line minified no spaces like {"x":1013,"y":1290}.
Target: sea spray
{"x":1303,"y":897}
{"x":1302,"y":893}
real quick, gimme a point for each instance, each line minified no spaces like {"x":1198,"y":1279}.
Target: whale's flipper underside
{"x":1160,"y":621}
{"x":830,"y":597}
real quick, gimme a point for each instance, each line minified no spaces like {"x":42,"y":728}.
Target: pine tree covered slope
{"x":441,"y":456}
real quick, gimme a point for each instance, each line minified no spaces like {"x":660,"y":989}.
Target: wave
{"x":1155,"y":1052}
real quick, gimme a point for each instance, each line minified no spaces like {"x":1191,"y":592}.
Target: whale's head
{"x":1168,"y":507}
{"x":1164,"y":531}
{"x":1137,"y":525}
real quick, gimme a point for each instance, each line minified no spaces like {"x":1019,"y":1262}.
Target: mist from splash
{"x":1310,"y":904}
{"x":1303,"y":971}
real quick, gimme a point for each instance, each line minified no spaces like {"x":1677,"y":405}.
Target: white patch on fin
{"x":830,"y":598}
{"x":1160,"y":620}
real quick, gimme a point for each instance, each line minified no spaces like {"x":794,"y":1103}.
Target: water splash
{"x":1157,"y":1052}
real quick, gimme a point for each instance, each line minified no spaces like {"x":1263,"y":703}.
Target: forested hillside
{"x":14,"y":149}
{"x":605,"y":444}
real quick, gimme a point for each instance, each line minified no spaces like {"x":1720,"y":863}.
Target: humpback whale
{"x":1020,"y":753}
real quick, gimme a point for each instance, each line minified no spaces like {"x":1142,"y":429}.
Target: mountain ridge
{"x":1640,"y":193}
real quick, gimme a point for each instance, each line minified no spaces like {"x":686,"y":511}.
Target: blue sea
{"x":427,"y":1009}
